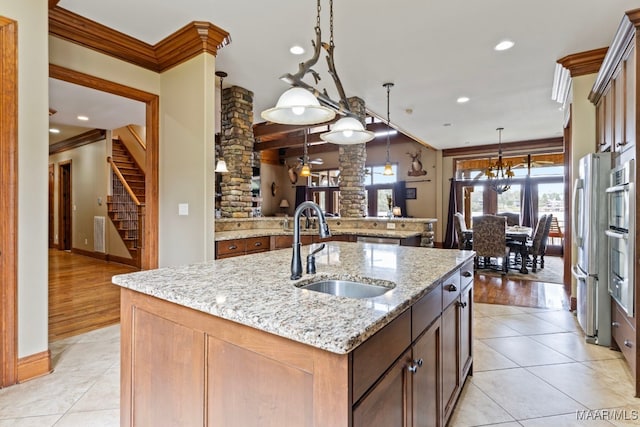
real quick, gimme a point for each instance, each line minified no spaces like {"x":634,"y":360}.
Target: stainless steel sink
{"x":347,"y":288}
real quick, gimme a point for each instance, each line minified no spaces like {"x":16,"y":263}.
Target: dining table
{"x":516,"y":234}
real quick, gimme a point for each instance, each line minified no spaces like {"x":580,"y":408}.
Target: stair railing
{"x":137,"y":137}
{"x":132,"y":212}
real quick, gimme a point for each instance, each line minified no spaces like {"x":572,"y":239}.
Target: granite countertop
{"x":255,"y":290}
{"x":258,"y":232}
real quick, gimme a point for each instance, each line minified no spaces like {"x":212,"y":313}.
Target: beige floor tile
{"x":573,"y":345}
{"x":567,"y":420}
{"x":581,"y":383}
{"x":95,"y":357}
{"x":489,"y":327}
{"x":524,"y":351}
{"x":523,"y":395}
{"x":561,"y":318}
{"x":487,"y":359}
{"x":529,"y":324}
{"x":107,"y":418}
{"x":108,"y":333}
{"x":614,"y":368}
{"x":105,"y":394}
{"x":485,"y":310}
{"x":46,"y":421}
{"x":475,"y":408}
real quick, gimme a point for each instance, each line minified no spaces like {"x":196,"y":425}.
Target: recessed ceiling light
{"x":54,"y":130}
{"x":83,"y":118}
{"x":446,"y":125}
{"x":462,"y":99}
{"x":504,"y":45}
{"x":296,"y":50}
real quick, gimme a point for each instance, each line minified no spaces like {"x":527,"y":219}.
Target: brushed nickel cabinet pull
{"x":615,"y":324}
{"x":232,"y":247}
{"x":628,"y":344}
{"x":466,"y":274}
{"x":451,"y":288}
{"x":257,"y":244}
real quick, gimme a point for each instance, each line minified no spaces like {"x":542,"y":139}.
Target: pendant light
{"x":221,"y":165}
{"x":499,"y":174}
{"x":388,"y":170}
{"x":306,"y":169}
{"x":300,"y":105}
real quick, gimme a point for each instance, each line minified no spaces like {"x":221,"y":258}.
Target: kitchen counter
{"x":242,"y":234}
{"x":255,"y":290}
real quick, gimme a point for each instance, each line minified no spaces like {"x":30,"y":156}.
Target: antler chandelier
{"x":499,"y":174}
{"x":303,"y":104}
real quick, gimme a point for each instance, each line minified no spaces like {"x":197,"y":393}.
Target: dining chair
{"x":463,"y":240}
{"x":513,"y":218}
{"x":536,"y":246}
{"x":545,"y":238}
{"x":489,"y":240}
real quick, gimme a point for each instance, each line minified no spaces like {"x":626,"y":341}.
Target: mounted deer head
{"x":416,"y":164}
{"x":292,"y":171}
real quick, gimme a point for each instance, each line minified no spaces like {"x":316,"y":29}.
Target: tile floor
{"x":531,"y":368}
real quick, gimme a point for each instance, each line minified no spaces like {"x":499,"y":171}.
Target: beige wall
{"x":187,"y":161}
{"x":90,"y":186}
{"x":31,"y":16}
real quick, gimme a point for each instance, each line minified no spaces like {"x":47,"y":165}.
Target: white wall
{"x":187,"y":161}
{"x":33,"y":100}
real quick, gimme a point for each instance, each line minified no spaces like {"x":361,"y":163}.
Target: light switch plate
{"x":183,"y":209}
{"x":391,"y":225}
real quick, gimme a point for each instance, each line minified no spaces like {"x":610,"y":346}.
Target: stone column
{"x":236,"y":143}
{"x":352,"y":160}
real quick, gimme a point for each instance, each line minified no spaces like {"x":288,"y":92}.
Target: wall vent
{"x":98,"y":234}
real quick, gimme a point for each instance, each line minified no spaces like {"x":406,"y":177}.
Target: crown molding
{"x":582,"y":63}
{"x":189,"y":41}
{"x":617,"y":52}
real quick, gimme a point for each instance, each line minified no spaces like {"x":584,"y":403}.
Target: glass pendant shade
{"x":305,"y":171}
{"x":348,"y":130}
{"x":221,"y":166}
{"x":388,"y":170}
{"x":298,"y":106}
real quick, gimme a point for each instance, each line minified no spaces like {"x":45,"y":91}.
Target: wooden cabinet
{"x":235,"y":247}
{"x":185,"y":367}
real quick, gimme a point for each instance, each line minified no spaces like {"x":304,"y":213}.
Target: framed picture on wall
{"x":410,"y":193}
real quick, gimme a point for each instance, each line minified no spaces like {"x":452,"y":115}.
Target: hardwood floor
{"x":81,"y":295}
{"x":524,"y":293}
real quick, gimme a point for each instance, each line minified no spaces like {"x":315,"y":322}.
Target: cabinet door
{"x":466,"y":328}
{"x":386,"y":404}
{"x":600,"y":139}
{"x":618,"y":88}
{"x":427,"y":355}
{"x":451,"y":360}
{"x":608,"y":103}
{"x":630,"y":99}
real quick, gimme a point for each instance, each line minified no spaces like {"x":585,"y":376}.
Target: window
{"x":375,"y":175}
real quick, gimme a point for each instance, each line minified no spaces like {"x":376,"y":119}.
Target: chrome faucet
{"x":323,"y":229}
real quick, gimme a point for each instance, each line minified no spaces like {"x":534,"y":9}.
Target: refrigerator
{"x":589,"y":222}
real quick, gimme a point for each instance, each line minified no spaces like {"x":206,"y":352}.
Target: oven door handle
{"x":575,"y":272}
{"x":616,"y":235}
{"x":617,"y":188}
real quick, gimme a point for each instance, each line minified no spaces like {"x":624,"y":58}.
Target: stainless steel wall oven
{"x":621,"y":235}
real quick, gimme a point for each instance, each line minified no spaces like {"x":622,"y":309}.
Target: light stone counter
{"x":257,"y":232}
{"x":255,"y":290}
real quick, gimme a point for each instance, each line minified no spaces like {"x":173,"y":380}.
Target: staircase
{"x":126,"y":203}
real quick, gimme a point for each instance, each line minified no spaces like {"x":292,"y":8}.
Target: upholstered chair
{"x":464,"y":242}
{"x":536,"y":247}
{"x":512,"y":218}
{"x":489,"y":239}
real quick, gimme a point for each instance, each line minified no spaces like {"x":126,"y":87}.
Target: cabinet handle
{"x":232,"y":247}
{"x":412,"y":368}
{"x":462,"y":304}
{"x":419,"y":362}
{"x":621,"y":144}
{"x":466,"y":274}
{"x":628,"y":344}
{"x":615,"y":324}
{"x":257,"y":244}
{"x":451,"y":288}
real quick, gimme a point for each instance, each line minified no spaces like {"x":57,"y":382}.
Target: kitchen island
{"x":235,"y":342}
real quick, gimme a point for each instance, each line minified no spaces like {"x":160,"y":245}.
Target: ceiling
{"x":434,"y":51}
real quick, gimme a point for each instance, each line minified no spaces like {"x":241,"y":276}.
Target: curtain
{"x":400,"y":193}
{"x":450,"y":238}
{"x":526,"y":213}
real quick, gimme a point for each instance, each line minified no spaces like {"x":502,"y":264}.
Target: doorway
{"x":51,"y":195}
{"x":65,"y":208}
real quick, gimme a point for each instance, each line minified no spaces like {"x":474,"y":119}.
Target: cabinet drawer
{"x":425,"y":311}
{"x":375,"y":355}
{"x":235,"y":246}
{"x":450,"y":289}
{"x":624,"y":335}
{"x":257,"y":244}
{"x":466,"y":275}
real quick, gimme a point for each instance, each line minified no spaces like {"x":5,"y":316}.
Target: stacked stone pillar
{"x":352,"y":160}
{"x":236,"y":144}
